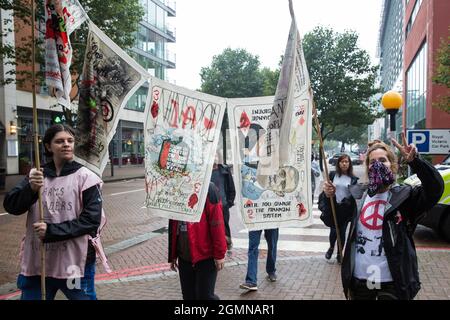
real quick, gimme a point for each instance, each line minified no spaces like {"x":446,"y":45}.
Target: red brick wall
{"x":431,"y":24}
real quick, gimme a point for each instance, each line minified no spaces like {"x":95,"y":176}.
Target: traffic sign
{"x":433,"y":141}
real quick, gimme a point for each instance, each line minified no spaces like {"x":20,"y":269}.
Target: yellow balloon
{"x":392,"y":100}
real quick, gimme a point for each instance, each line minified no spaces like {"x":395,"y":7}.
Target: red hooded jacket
{"x":206,"y":237}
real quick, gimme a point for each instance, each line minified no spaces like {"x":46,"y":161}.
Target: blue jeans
{"x":31,"y":286}
{"x":254,"y":238}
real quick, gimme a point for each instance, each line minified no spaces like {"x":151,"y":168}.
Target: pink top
{"x":61,"y":201}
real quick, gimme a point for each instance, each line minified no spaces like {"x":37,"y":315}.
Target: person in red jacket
{"x":197,"y":250}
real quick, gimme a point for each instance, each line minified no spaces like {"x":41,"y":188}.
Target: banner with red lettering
{"x":62,"y":17}
{"x":182,"y":129}
{"x":110,"y":76}
{"x":282,"y":198}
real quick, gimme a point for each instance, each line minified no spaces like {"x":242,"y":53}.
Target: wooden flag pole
{"x":36,"y":142}
{"x":326,"y":178}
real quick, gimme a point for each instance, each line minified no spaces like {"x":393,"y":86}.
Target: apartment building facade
{"x":152,"y":51}
{"x":426,"y":26}
{"x":390,"y":53}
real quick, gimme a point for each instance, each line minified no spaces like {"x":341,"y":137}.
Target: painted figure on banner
{"x":62,"y":17}
{"x":269,"y":200}
{"x":181,"y":130}
{"x":109,"y":78}
{"x":278,"y":190}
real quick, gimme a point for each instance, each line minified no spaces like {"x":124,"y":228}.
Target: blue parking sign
{"x":421,"y":138}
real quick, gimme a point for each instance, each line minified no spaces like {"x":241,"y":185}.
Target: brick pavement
{"x":301,"y":276}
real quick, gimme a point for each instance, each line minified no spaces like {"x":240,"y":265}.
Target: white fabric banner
{"x":110,"y":76}
{"x":283,"y":198}
{"x":293,"y":91}
{"x":62,"y":17}
{"x":181,"y":134}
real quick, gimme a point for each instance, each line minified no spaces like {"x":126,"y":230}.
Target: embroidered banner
{"x":283,"y":198}
{"x":62,"y":17}
{"x":181,"y":135}
{"x":272,"y":146}
{"x":293,"y":90}
{"x":109,"y":79}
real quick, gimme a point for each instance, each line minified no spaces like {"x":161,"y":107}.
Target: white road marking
{"x":125,"y":192}
{"x":300,"y":231}
{"x":286,"y":245}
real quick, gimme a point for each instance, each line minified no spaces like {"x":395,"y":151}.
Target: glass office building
{"x":390,"y":51}
{"x":416,"y":90}
{"x":153,"y":50}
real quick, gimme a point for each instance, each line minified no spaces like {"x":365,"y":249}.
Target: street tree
{"x":342,"y":78}
{"x":270,"y":80}
{"x":118,"y":19}
{"x":347,"y":134}
{"x":233,"y":73}
{"x":442,"y":74}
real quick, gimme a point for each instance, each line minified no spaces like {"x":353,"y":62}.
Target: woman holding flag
{"x":380,"y":260}
{"x":72,"y":206}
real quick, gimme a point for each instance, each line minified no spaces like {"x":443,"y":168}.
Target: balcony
{"x":168,"y":5}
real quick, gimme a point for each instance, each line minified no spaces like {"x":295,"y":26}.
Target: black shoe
{"x":329,"y":254}
{"x":338,"y":258}
{"x":272,"y":277}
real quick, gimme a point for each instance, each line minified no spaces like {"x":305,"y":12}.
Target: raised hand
{"x":408,"y":151}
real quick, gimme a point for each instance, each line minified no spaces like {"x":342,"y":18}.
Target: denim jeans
{"x":31,"y":286}
{"x":254,"y":238}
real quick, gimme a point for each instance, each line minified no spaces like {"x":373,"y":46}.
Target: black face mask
{"x":380,"y":176}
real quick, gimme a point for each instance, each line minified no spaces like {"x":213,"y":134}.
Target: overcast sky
{"x":205,"y":27}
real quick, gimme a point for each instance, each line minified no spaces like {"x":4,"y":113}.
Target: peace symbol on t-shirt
{"x":371,"y":218}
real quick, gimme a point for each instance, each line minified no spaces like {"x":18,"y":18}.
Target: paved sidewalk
{"x":120,"y":173}
{"x":307,"y":277}
{"x":141,"y":271}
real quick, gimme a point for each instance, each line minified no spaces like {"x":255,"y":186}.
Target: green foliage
{"x":270,"y":80}
{"x":13,"y":55}
{"x":348,"y":134}
{"x":118,"y":19}
{"x":442,"y":74}
{"x":233,"y":73}
{"x":342,"y":78}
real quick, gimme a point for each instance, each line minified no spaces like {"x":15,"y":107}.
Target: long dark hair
{"x":51,"y":132}
{"x":350,"y":166}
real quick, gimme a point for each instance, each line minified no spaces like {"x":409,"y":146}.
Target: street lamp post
{"x":391,"y":102}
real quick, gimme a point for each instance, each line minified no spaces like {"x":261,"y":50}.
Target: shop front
{"x":127,"y":146}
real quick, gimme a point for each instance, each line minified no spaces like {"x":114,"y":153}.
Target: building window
{"x":416,"y":90}
{"x":151,"y":13}
{"x":413,"y":16}
{"x":132,"y":146}
{"x":137,"y":100}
